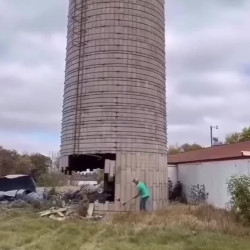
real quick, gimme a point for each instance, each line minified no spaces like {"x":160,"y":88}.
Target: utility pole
{"x":211,"y":133}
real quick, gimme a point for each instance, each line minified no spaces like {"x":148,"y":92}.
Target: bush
{"x":53,"y":179}
{"x":239,"y":190}
{"x":176,"y":192}
{"x":198,"y":194}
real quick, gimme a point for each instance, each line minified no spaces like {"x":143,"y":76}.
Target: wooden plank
{"x":60,"y":214}
{"x":111,"y":207}
{"x":106,"y":206}
{"x":137,"y":159}
{"x":154,"y":205}
{"x":150,"y":178}
{"x":150,"y":199}
{"x":137,"y":174}
{"x":128,"y":187}
{"x":134,"y":174}
{"x":164,"y":192}
{"x":100,"y":207}
{"x":117,"y":197}
{"x":154,"y":161}
{"x":54,"y":217}
{"x":147,"y":179}
{"x":143,"y":173}
{"x":118,"y":170}
{"x":146,"y":164}
{"x":112,"y":166}
{"x":123,"y":188}
{"x":90,"y":210}
{"x":154,"y":192}
{"x":162,"y":172}
{"x":111,"y":170}
{"x":165,"y":185}
{"x":123,"y":161}
{"x":155,"y":177}
{"x":161,"y":191}
{"x":106,"y":167}
{"x":132,"y":185}
{"x":96,"y":207}
{"x":52,"y":211}
{"x":157,"y":193}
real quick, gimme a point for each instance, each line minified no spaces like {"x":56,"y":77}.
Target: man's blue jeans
{"x":143,"y":204}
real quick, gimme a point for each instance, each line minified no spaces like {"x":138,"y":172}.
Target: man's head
{"x":136,"y":181}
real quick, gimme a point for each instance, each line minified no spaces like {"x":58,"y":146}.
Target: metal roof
{"x":222,"y":152}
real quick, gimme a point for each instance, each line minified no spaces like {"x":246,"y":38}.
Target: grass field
{"x":177,"y":228}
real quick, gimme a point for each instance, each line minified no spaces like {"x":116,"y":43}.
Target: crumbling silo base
{"x":149,"y":168}
{"x":121,"y":169}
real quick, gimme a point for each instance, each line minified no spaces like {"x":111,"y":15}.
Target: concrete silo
{"x":114,"y":111}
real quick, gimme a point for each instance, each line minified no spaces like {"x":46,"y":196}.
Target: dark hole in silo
{"x":80,"y":163}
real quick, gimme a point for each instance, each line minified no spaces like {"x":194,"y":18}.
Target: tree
{"x":40,"y":166}
{"x":184,"y":148}
{"x":172,"y":150}
{"x":245,"y":134}
{"x":11,"y":162}
{"x":232,"y":138}
{"x":24,"y":164}
{"x":8,"y":161}
{"x":190,"y":147}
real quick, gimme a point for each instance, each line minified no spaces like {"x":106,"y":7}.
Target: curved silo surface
{"x":114,"y":99}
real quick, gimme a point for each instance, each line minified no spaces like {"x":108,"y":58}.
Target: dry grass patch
{"x":197,"y":218}
{"x":176,"y":228}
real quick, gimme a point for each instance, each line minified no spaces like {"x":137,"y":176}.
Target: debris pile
{"x":20,"y":190}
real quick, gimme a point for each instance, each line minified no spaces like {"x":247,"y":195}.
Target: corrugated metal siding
{"x":114,"y":97}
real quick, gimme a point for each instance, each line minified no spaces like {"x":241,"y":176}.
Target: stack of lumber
{"x":59,"y":214}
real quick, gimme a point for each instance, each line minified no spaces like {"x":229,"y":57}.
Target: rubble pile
{"x":59,"y":205}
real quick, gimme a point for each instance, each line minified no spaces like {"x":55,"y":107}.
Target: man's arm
{"x":137,"y":196}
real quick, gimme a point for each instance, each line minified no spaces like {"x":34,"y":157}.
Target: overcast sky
{"x":208,"y":70}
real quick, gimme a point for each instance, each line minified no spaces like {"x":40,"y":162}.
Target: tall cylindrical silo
{"x":114,"y":97}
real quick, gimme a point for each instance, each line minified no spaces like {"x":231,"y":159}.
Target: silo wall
{"x":114,"y":96}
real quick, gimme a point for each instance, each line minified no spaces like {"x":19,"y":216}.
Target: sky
{"x":208,"y":71}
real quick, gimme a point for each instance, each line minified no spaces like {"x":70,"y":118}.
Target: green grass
{"x":24,"y":230}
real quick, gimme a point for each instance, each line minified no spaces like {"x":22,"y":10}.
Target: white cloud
{"x":208,"y":70}
{"x":32,"y":73}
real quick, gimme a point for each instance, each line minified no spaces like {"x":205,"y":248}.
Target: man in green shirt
{"x":143,"y":191}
